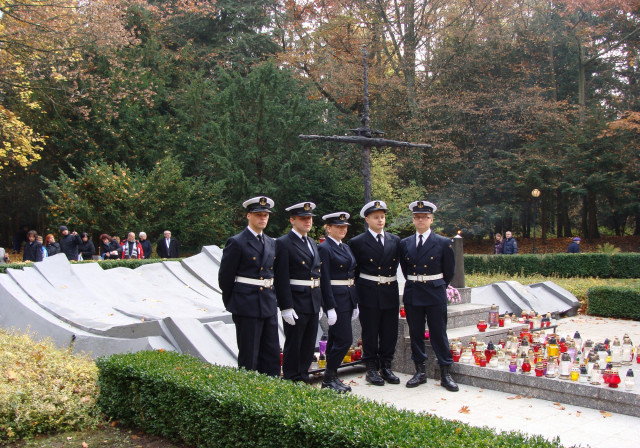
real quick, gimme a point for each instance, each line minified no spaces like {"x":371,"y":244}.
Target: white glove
{"x":356,"y":313}
{"x":332,"y":317}
{"x":320,"y":314}
{"x":289,"y":316}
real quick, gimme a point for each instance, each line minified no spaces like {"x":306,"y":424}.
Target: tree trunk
{"x":581,"y":82}
{"x":585,"y":227}
{"x":636,"y":232}
{"x":543,"y":223}
{"x":410,"y":44}
{"x":591,"y":216}
{"x":563,"y":224}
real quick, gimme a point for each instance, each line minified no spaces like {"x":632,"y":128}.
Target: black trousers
{"x":436,"y":318}
{"x":379,"y":333}
{"x":340,"y":340}
{"x":258,"y":344}
{"x":299,"y":347}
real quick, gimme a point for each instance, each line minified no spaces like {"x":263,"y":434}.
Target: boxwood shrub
{"x":562,"y":265}
{"x":610,"y":301}
{"x":182,"y":398}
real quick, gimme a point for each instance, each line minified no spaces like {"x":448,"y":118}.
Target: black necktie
{"x":304,"y":239}
{"x":379,"y":239}
{"x":260,"y":239}
{"x":420,"y":242}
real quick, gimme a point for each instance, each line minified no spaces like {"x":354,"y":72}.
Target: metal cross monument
{"x":365,"y":136}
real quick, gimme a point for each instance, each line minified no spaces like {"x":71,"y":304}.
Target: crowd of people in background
{"x":78,"y":247}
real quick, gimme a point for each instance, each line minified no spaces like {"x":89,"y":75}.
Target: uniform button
{"x":432,"y":258}
{"x":261,"y":268}
{"x":425,"y":265}
{"x":394,"y":259}
{"x":261,"y":278}
{"x":271,"y":268}
{"x":303,"y":262}
{"x":340,"y":265}
{"x":254,"y":258}
{"x":261,"y":288}
{"x":379,"y":267}
{"x":414,"y":265}
{"x":371,"y":260}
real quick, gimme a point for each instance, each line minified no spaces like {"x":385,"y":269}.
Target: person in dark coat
{"x":33,"y":249}
{"x":339,"y":295}
{"x":167,"y":247}
{"x":70,"y":243}
{"x":377,"y":255}
{"x":428,"y":264}
{"x":297,"y":284}
{"x":109,"y":248}
{"x":246,"y":280}
{"x":574,"y":247}
{"x":87,"y":249}
{"x":147,"y":248}
{"x":53,"y":248}
{"x":509,"y":244}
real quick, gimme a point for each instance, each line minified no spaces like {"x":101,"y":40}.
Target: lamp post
{"x":536,"y":194}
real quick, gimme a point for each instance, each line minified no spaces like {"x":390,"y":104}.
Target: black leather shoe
{"x":331,"y":381}
{"x":387,"y":374}
{"x":446,"y":381}
{"x":420,"y":376}
{"x":372,"y":375}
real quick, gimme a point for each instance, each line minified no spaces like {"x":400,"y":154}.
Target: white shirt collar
{"x":375,"y":235}
{"x":425,"y":237}
{"x":254,"y":233}
{"x":296,"y":232}
{"x":334,"y":240}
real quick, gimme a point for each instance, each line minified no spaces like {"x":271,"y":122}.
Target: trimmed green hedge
{"x":608,"y":301}
{"x":182,"y":398}
{"x":105,"y":264}
{"x":625,"y":265}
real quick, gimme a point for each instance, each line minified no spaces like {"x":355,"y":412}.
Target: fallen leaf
{"x":517,"y":397}
{"x":11,"y":375}
{"x":464,"y":410}
{"x":85,"y":445}
{"x":134,"y":437}
{"x":443,"y":399}
{"x":498,"y":416}
{"x":559,"y":406}
{"x":606,"y":414}
{"x":114,"y":423}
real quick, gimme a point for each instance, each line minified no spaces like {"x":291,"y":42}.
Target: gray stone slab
{"x":214,"y":252}
{"x":194,"y":338}
{"x":514,"y":297}
{"x":186,"y":277}
{"x":204,"y":268}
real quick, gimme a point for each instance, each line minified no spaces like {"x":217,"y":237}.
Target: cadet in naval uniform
{"x":297,"y":283}
{"x":428,"y":264}
{"x":246,"y":280}
{"x":377,"y":255}
{"x":339,"y":295}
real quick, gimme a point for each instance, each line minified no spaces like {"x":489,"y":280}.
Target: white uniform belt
{"x":424,"y":278}
{"x":265,"y":282}
{"x":379,"y":278}
{"x":348,"y":282}
{"x":313,"y":283}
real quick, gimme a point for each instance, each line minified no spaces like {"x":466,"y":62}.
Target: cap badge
{"x":420,"y":204}
{"x":263,"y":201}
{"x":307,"y":206}
{"x":343,"y":217}
{"x":376,"y":204}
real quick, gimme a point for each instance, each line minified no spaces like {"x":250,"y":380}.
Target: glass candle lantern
{"x":473,"y":342}
{"x":322,"y":361}
{"x":466,"y":356}
{"x":524,"y":347}
{"x":587,"y":348}
{"x":507,"y":319}
{"x":493,"y":319}
{"x":614,"y":378}
{"x":482,"y":326}
{"x":456,"y":355}
{"x":552,"y":367}
{"x":564,"y":367}
{"x":403,"y":313}
{"x":596,"y":375}
{"x":627,"y":350}
{"x":638,"y":354}
{"x":578,"y":340}
{"x":552,"y":348}
{"x":571,"y":349}
{"x":501,"y":320}
{"x":482,"y":360}
{"x":616,"y":352}
{"x":493,"y":362}
{"x":575,"y":373}
{"x":490,"y":351}
{"x":629,"y":380}
{"x":526,"y":366}
{"x":539,"y":369}
{"x":602,"y":354}
{"x":357,"y":354}
{"x":501,"y":359}
{"x":322,"y":345}
{"x":513,"y":365}
{"x":584,"y":375}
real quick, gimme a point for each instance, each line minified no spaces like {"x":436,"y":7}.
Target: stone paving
{"x":574,"y":425}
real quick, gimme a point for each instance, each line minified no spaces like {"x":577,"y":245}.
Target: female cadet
{"x":339,"y":295}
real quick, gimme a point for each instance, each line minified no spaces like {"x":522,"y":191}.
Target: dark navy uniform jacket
{"x":375,"y":260}
{"x":434,"y":257}
{"x":294,"y":261}
{"x":338,"y":263}
{"x":244,"y":256}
